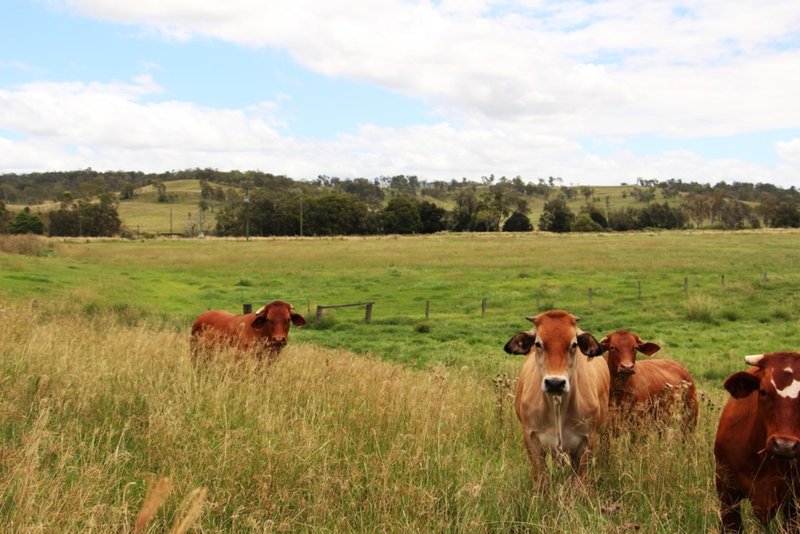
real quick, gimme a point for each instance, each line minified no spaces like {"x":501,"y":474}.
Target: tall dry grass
{"x":95,"y":414}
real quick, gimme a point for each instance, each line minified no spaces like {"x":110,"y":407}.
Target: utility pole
{"x":247,"y":211}
{"x":301,"y":215}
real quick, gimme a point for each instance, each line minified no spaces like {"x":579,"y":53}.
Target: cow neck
{"x":557,"y":401}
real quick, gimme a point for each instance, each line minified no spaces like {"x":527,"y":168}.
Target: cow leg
{"x":535,"y":457}
{"x":729,"y":510}
{"x":790,"y":515}
{"x":580,"y":457}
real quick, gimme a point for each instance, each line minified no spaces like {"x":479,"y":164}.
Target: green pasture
{"x":143,"y":214}
{"x":709,"y":324}
{"x":402,"y":424}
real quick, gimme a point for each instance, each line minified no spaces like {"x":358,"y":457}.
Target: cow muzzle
{"x":276,"y":342}
{"x":555,"y":385}
{"x":626,"y":369}
{"x":784,"y":446}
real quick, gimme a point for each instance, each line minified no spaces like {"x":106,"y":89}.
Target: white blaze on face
{"x":789,"y":392}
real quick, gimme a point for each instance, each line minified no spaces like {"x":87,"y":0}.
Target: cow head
{"x":273,"y":322}
{"x":621,"y":347}
{"x":554,"y":341}
{"x":776,"y":381}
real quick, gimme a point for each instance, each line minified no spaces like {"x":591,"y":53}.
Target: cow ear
{"x":648,"y":348}
{"x":589,"y":345}
{"x":259,"y":321}
{"x":297,"y":319}
{"x":742,"y":384}
{"x":521,"y":343}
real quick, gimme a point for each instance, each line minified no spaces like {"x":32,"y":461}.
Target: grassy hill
{"x":145,"y":215}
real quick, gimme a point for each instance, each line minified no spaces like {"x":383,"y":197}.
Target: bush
{"x":584,"y":223}
{"x":518,"y":222}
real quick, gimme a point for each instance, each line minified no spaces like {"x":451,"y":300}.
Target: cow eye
{"x":574,"y":345}
{"x":762,"y":392}
{"x":537,"y":344}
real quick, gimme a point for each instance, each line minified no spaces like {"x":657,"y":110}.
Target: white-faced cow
{"x":649,"y":387}
{"x":562,"y":390}
{"x":266,"y":330}
{"x":758,"y":441}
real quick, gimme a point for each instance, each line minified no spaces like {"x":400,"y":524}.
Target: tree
{"x":556,"y":217}
{"x":584,"y":223}
{"x":785,"y":215}
{"x":26,"y":223}
{"x":337,"y":214}
{"x":5,"y":218}
{"x":467,"y":206}
{"x":432,"y":217}
{"x":401,"y":216}
{"x":661,"y":216}
{"x":83,"y":218}
{"x":517,"y":222}
{"x":734,"y":214}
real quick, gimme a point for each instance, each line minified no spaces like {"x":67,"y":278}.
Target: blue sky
{"x":596,"y":92}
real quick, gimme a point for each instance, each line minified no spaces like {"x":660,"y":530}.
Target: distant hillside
{"x":270,"y":204}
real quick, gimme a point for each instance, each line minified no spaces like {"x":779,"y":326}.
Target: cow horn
{"x":531,"y":318}
{"x":753,"y":359}
{"x":261,"y":310}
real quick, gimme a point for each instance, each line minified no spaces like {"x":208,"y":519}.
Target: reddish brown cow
{"x":266,"y":329}
{"x":650,"y":386}
{"x":758,"y":441}
{"x":562,"y":391}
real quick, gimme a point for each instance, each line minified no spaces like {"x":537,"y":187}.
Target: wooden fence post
{"x":686,"y":284}
{"x":484,"y":304}
{"x":319,"y":313}
{"x":427,"y":309}
{"x":368,"y":314}
{"x":247,"y":308}
{"x":590,"y":295}
{"x":722,"y":279}
{"x":639,"y":288}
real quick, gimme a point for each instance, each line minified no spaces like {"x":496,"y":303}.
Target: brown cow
{"x":647,"y":385}
{"x":267,"y":329}
{"x":758,"y":441}
{"x":561,"y":396}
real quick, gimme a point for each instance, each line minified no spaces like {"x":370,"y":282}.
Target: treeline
{"x":257,"y":203}
{"x":72,"y":217}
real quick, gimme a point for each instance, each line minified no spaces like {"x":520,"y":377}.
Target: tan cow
{"x":562,"y":391}
{"x":649,"y":386}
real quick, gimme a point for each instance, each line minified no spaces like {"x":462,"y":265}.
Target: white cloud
{"x":514,"y":84}
{"x":575,"y":66}
{"x":789,"y":151}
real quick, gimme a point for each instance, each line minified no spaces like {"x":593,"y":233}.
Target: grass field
{"x":404,"y":423}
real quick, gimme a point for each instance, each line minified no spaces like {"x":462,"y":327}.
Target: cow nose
{"x":278,"y":339}
{"x":555,"y":386}
{"x":626,"y":369}
{"x":786,"y":447}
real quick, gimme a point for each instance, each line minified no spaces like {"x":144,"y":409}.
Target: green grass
{"x":95,"y":412}
{"x":145,"y":215}
{"x":708,"y":328}
{"x":401,"y":424}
